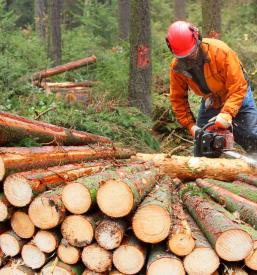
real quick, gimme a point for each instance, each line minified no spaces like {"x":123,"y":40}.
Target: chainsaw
{"x":212,"y":142}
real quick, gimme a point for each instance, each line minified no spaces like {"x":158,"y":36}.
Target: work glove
{"x":193,"y":130}
{"x":223,"y":121}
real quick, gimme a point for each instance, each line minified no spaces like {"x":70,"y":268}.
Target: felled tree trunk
{"x":53,"y":85}
{"x":32,"y":256}
{"x":67,"y":253}
{"x":203,"y":259}
{"x":97,"y":258}
{"x":21,"y":187}
{"x":248,"y":179}
{"x":59,"y":267}
{"x":152,"y":220}
{"x":224,"y":235}
{"x":6,"y":210}
{"x":63,"y":68}
{"x":14,"y":159}
{"x":22,"y":225}
{"x":47,"y":241}
{"x":234,"y":203}
{"x":160,"y":261}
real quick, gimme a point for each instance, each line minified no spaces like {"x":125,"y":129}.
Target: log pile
{"x":104,"y":212}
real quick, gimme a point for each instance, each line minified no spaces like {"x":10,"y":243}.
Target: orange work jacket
{"x":223,"y":75}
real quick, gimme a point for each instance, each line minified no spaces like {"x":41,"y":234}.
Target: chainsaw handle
{"x":211,"y":123}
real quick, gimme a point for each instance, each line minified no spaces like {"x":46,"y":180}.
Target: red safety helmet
{"x":182,"y":38}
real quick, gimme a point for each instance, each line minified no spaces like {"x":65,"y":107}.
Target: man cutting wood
{"x":213,"y":71}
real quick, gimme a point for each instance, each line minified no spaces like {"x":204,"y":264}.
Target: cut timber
{"x":6,"y":209}
{"x":63,"y":68}
{"x":14,"y":159}
{"x":47,"y":210}
{"x":10,"y":243}
{"x":97,"y":258}
{"x":233,"y":269}
{"x":22,"y":225}
{"x":109,"y":233}
{"x":57,"y":267}
{"x":129,"y":258}
{"x":234,"y":203}
{"x":125,"y":194}
{"x":53,"y":85}
{"x":248,"y":179}
{"x":32,"y":256}
{"x":14,"y":127}
{"x":239,"y":188}
{"x":79,"y":195}
{"x":231,"y":242}
{"x":16,"y":267}
{"x":152,"y":220}
{"x":46,"y":241}
{"x":78,"y":230}
{"x":67,"y":253}
{"x":21,"y":187}
{"x":188,"y":168}
{"x":90,"y":272}
{"x":180,"y":241}
{"x":115,"y":272}
{"x":164,"y":263}
{"x":203,"y":259}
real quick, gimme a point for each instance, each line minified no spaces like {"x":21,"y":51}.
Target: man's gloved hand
{"x":193,"y":130}
{"x":223,"y":121}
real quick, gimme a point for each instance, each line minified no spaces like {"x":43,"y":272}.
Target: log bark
{"x":47,"y":210}
{"x":189,"y":168}
{"x":67,"y":253}
{"x":234,"y":203}
{"x":125,"y":194}
{"x":129,"y":257}
{"x":152,"y":220}
{"x":97,"y":258}
{"x":231,"y":242}
{"x":47,"y":241}
{"x":6,"y":210}
{"x":242,"y":189}
{"x":63,"y":68}
{"x":14,"y":159}
{"x":203,"y":259}
{"x":248,"y":179}
{"x":16,"y":267}
{"x":109,"y":233}
{"x":57,"y":267}
{"x":22,"y":225}
{"x":78,"y":230}
{"x":160,"y":262}
{"x":180,"y":241}
{"x":84,"y":189}
{"x":21,"y":187}
{"x":32,"y":256}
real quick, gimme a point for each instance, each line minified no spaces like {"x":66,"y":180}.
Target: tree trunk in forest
{"x":152,"y":220}
{"x":126,"y":194}
{"x":124,"y":13}
{"x":224,"y":235}
{"x":129,"y":257}
{"x":41,"y":18}
{"x":180,"y":10}
{"x":234,"y":203}
{"x":109,"y":233}
{"x":47,"y":241}
{"x":203,"y":259}
{"x":22,"y":225}
{"x":140,"y":76}
{"x":67,"y":253}
{"x":32,"y":256}
{"x":21,"y":187}
{"x":54,"y":31}
{"x":97,"y":258}
{"x":211,"y":14}
{"x":59,"y":267}
{"x":160,"y":261}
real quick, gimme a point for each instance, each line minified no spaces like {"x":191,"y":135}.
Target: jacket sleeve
{"x":179,"y":100}
{"x":235,"y":83}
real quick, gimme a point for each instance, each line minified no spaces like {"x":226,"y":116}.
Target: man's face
{"x":192,"y":59}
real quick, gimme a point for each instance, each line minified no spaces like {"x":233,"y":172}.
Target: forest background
{"x":40,"y":34}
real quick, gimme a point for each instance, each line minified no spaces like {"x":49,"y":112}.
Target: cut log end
{"x":97,"y":258}
{"x":90,"y":272}
{"x":2,"y":169}
{"x":10,"y":244}
{"x":234,"y":245}
{"x":3,"y":211}
{"x":201,"y":261}
{"x":76,"y":198}
{"x":46,"y":241}
{"x":166,"y":266}
{"x":77,"y":230}
{"x":22,"y":225}
{"x":11,"y":270}
{"x":151,"y":224}
{"x":251,"y":259}
{"x":68,"y":254}
{"x":128,"y":259}
{"x":122,"y":199}
{"x":57,"y":270}
{"x":17,"y":190}
{"x":181,"y":244}
{"x":32,"y":256}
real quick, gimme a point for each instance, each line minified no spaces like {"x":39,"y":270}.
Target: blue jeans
{"x":244,"y":124}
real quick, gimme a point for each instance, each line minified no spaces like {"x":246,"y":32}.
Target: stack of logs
{"x":127,"y":215}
